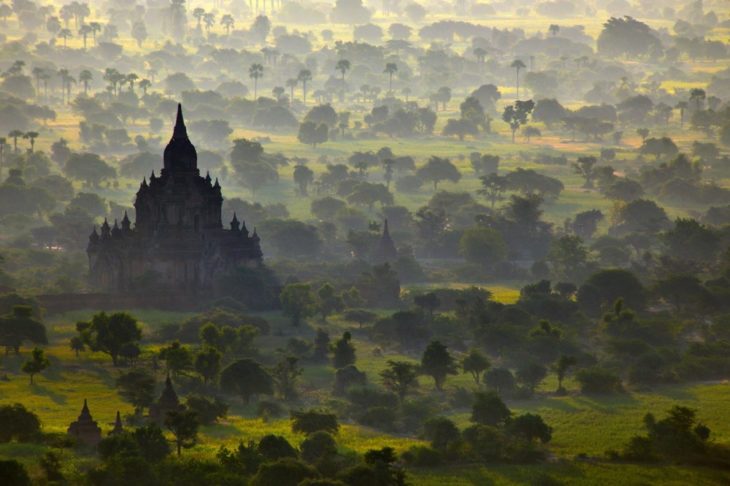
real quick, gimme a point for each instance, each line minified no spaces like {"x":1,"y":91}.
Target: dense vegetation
{"x":554,"y":177}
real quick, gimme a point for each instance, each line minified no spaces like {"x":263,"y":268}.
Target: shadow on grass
{"x":606,"y":403}
{"x":221,"y":431}
{"x":38,"y":389}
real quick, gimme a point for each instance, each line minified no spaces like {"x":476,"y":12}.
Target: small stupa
{"x":168,"y":402}
{"x":386,"y":251}
{"x":85,"y":429}
{"x":118,"y":427}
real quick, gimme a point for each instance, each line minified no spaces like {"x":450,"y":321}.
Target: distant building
{"x":85,"y":429}
{"x":118,"y":427}
{"x":178,"y":241}
{"x":168,"y":402}
{"x":386,"y":251}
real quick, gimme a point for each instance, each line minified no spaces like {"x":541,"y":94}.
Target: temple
{"x":168,"y":402}
{"x":85,"y":428}
{"x":178,"y":241}
{"x":386,"y":251}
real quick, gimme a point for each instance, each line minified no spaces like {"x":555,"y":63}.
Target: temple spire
{"x":180,"y":129}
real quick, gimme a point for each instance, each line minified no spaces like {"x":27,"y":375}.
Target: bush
{"x":311,"y":421}
{"x":18,"y":423}
{"x":420,"y":456}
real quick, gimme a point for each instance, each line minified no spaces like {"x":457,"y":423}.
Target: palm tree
{"x":255,"y":72}
{"x":681,"y":106}
{"x":45,"y":77}
{"x":31,"y":136}
{"x":95,"y":27}
{"x":480,"y":54}
{"x":343,"y":65}
{"x":517,"y":64}
{"x":3,"y":144}
{"x":84,"y":32}
{"x":37,"y":73}
{"x":85,"y":77}
{"x":697,"y":96}
{"x":304,"y":76}
{"x":209,"y":20}
{"x":131,"y":79}
{"x":227,"y":22}
{"x":390,"y":69}
{"x":64,"y":75}
{"x":144,"y":85}
{"x":291,"y":84}
{"x":554,"y":29}
{"x":15,"y":135}
{"x":198,"y":13}
{"x":64,"y":34}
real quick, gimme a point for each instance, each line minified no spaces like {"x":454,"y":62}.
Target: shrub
{"x":598,"y":381}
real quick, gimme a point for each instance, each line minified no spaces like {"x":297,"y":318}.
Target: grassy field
{"x":582,"y":425}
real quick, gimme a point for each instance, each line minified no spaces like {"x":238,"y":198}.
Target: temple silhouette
{"x":178,"y":241}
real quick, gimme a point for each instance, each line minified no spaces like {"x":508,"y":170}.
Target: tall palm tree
{"x":15,"y":135}
{"x":209,"y":21}
{"x":697,"y":96}
{"x":45,"y":77}
{"x":682,"y":106}
{"x":144,"y":85}
{"x":198,"y":14}
{"x":131,"y":79}
{"x":343,"y":65}
{"x":31,"y":136}
{"x":291,"y":84}
{"x":95,"y":27}
{"x":304,"y":76}
{"x":227,"y":22}
{"x":517,"y":64}
{"x":65,"y":34}
{"x":84,"y":32}
{"x":255,"y":72}
{"x":390,"y":69}
{"x":64,"y":75}
{"x":3,"y":144}
{"x":85,"y":77}
{"x":37,"y":73}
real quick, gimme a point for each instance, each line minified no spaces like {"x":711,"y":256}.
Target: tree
{"x":298,"y":302}
{"x":12,"y":472}
{"x":89,"y":168}
{"x":482,"y":245}
{"x":390,"y":69}
{"x":441,"y":432}
{"x":489,"y":409}
{"x":228,"y":22}
{"x":77,"y":345}
{"x":178,"y":359}
{"x":246,"y":378}
{"x":516,"y":115}
{"x":18,"y":423}
{"x":605,"y":287}
{"x":208,"y":364}
{"x":36,"y":364}
{"x":304,"y":76}
{"x":19,"y":327}
{"x":313,"y":134}
{"x":475,"y":363}
{"x":343,"y":65}
{"x":530,"y":427}
{"x":493,"y":187}
{"x":460,"y":128}
{"x":562,"y":366}
{"x":255,"y":72}
{"x":285,"y":375}
{"x":400,"y":377}
{"x":517,"y":65}
{"x":109,"y":333}
{"x":317,"y":448}
{"x":530,"y":132}
{"x":584,"y":167}
{"x":328,"y":301}
{"x":183,"y":425}
{"x":344,"y":351}
{"x":598,"y":381}
{"x":138,"y":388}
{"x":500,"y":379}
{"x":659,"y":147}
{"x":311,"y":421}
{"x":437,"y":362}
{"x":531,"y":375}
{"x":438,"y":169}
{"x":554,"y":29}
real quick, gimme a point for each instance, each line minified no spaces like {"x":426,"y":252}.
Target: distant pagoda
{"x":118,"y":427}
{"x":85,"y":428}
{"x":386,"y":251}
{"x":168,"y":402}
